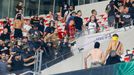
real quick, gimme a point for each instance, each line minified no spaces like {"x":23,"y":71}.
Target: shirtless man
{"x":114,"y":51}
{"x":96,"y":56}
{"x":18,"y":24}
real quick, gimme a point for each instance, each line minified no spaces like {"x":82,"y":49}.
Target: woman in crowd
{"x":92,"y":25}
{"x":94,"y":13}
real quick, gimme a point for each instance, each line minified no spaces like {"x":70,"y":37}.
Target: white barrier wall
{"x":86,"y":8}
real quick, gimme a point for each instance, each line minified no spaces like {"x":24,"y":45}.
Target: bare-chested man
{"x":96,"y":55}
{"x":114,"y":51}
{"x":18,"y":24}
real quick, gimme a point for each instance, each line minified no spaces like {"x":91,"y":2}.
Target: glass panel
{"x":87,"y":1}
{"x":1,"y":9}
{"x":46,"y":6}
{"x":96,"y":0}
{"x":13,"y":4}
{"x":73,"y":2}
{"x":101,"y":0}
{"x":81,"y":2}
{"x":4,"y":8}
{"x":56,"y":6}
{"x":31,"y":7}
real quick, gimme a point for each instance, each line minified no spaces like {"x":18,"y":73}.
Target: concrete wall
{"x":86,"y":9}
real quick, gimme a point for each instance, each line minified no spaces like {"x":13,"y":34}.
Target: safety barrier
{"x":116,"y":69}
{"x":48,"y":64}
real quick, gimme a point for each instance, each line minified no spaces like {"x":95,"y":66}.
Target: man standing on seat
{"x":78,"y":23}
{"x":18,"y":24}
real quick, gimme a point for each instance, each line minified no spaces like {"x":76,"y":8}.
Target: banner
{"x":86,"y":42}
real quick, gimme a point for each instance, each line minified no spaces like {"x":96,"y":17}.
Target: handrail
{"x":115,"y":69}
{"x":27,"y":72}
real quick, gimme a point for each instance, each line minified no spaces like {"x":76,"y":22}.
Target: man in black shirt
{"x":129,"y":3}
{"x":64,"y":7}
{"x":41,"y":26}
{"x":50,"y":29}
{"x":7,"y":25}
{"x":35,"y":21}
{"x":65,"y":47}
{"x":5,"y":35}
{"x":130,"y":10}
{"x":111,"y":13}
{"x":34,"y":33}
{"x":126,"y":18}
{"x":78,"y":23}
{"x":17,"y":63}
{"x":28,"y":58}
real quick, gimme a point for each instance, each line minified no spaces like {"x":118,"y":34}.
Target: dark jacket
{"x":78,"y":23}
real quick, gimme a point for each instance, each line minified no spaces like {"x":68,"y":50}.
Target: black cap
{"x":115,"y":35}
{"x":96,"y":45}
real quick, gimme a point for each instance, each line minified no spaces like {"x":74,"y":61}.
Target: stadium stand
{"x":21,"y":37}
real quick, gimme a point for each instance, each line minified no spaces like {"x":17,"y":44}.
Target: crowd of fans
{"x":19,"y":41}
{"x":120,"y":13}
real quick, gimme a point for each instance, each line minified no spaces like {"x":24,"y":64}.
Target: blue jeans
{"x":111,"y":21}
{"x":78,"y":34}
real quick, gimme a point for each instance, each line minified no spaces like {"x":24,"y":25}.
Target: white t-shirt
{"x":91,"y":25}
{"x":27,"y":28}
{"x":67,"y":14}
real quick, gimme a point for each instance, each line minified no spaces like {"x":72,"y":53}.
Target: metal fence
{"x":41,"y":65}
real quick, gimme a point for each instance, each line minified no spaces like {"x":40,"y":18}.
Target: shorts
{"x":111,"y":21}
{"x":113,"y":60}
{"x":18,"y":33}
{"x":96,"y":64}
